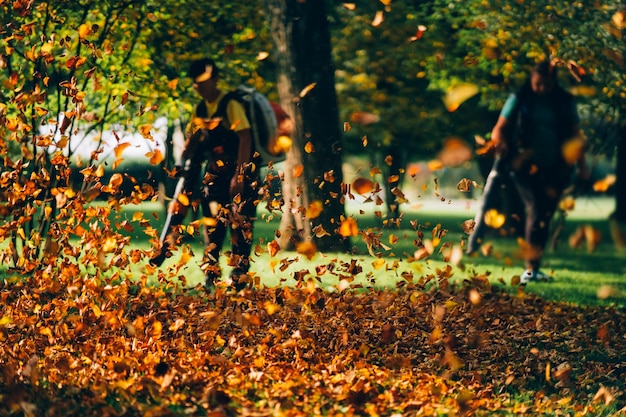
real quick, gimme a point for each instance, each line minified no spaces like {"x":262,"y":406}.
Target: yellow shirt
{"x":235,"y":113}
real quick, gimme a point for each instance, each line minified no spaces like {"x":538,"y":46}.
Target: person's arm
{"x":501,"y":136}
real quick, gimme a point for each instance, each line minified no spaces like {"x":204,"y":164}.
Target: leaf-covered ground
{"x":79,"y":346}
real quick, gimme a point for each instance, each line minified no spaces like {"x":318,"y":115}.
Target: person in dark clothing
{"x":537,"y":135}
{"x":219,"y":137}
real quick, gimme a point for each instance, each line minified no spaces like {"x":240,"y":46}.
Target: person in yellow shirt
{"x":219,"y":138}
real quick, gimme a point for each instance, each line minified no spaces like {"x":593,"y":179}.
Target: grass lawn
{"x":587,"y":278}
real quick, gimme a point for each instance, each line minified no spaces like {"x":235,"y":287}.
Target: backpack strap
{"x":202,"y":111}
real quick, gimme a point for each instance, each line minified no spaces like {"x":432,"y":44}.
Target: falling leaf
{"x":271,"y":308}
{"x":156,"y":157}
{"x":568,"y":203}
{"x":603,"y":185}
{"x":464,"y":185}
{"x":348,"y":227}
{"x":435,"y":165}
{"x":307,"y":249}
{"x":315,"y":209}
{"x":573,"y":150}
{"x":145,"y":131}
{"x":120,"y":148}
{"x":349,"y":6}
{"x":273,"y":247}
{"x":297,"y":171}
{"x":364,"y":118}
{"x":116,"y":180}
{"x":378,"y":18}
{"x":421,"y":29}
{"x":455,"y":152}
{"x":604,"y":395}
{"x":378,"y":264}
{"x":309,"y":148}
{"x":494,"y":219}
{"x":363,"y":186}
{"x":619,"y":19}
{"x":306,"y":90}
{"x":458,"y":94}
{"x":576,"y":70}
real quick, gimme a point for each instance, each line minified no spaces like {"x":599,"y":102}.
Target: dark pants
{"x":540,"y":193}
{"x":236,"y":216}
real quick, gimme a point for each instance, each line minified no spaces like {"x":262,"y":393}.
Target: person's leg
{"x":546,"y":200}
{"x":540,"y":200}
{"x":242,"y":228}
{"x":213,"y":207}
{"x":527,"y":191}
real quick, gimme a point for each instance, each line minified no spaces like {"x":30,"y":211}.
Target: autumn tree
{"x":70,"y":72}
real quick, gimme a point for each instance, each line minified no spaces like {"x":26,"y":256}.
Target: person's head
{"x":204,"y":74}
{"x":543,"y":77}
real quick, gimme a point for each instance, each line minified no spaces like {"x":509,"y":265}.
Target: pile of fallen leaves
{"x":86,"y":346}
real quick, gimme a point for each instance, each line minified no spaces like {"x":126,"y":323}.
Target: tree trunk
{"x":620,"y":184}
{"x":306,"y":86}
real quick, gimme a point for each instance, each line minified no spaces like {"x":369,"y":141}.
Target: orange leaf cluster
{"x":74,"y":344}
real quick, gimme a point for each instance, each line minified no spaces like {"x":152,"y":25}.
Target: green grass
{"x":595,"y":278}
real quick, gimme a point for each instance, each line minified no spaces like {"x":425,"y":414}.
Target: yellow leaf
{"x":109,"y":245}
{"x":271,"y":308}
{"x":100,"y":171}
{"x":435,"y":165}
{"x":378,"y":264}
{"x":155,"y":329}
{"x":84,"y":30}
{"x":458,"y":94}
{"x":183,"y":199}
{"x":309,"y":148}
{"x":494,"y":219}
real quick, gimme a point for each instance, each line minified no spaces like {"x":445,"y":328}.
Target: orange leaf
{"x":273,"y":247}
{"x":156,"y":157}
{"x":348,"y":227}
{"x":307,"y":249}
{"x":314,"y":210}
{"x":120,"y":148}
{"x":362,"y":185}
